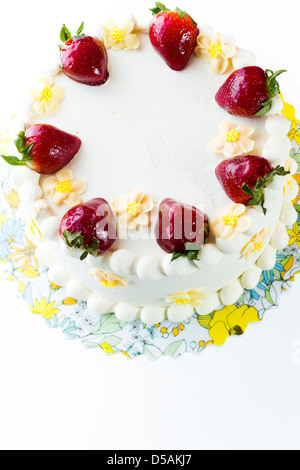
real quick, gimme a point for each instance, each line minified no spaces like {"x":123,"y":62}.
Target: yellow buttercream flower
{"x":232,"y":141}
{"x":120,"y":37}
{"x":217,"y":50}
{"x":45,"y":309}
{"x":47,"y":96}
{"x":63,"y":189}
{"x":291,"y":187}
{"x":193,"y":298}
{"x":108,"y":280}
{"x":256,"y":243}
{"x":133,"y":210}
{"x":231,"y":320}
{"x":231,"y":220}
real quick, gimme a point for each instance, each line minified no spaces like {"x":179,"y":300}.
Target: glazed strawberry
{"x":83,"y":58}
{"x":173,"y":34}
{"x":245,"y":178}
{"x":44,"y":149}
{"x":90,"y":227}
{"x":249,"y":91}
{"x":181,"y":229}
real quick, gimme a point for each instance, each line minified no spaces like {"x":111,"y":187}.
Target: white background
{"x":55,"y":394}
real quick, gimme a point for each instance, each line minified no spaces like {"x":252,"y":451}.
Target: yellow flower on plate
{"x":107,"y":348}
{"x":231,"y":220}
{"x":5,"y":140}
{"x":46,"y":96}
{"x":230,"y":321}
{"x":294,"y":133}
{"x":193,"y":298}
{"x":232,"y":141}
{"x":133,"y":210}
{"x":256,"y":243}
{"x":69,"y":301}
{"x":121,"y":36}
{"x":294,"y":235}
{"x":289,"y":111}
{"x":108,"y":280}
{"x":13,"y":199}
{"x":26,"y":253}
{"x":45,"y":309}
{"x":217,"y":50}
{"x":63,"y":189}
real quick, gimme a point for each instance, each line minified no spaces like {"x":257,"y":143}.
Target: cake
{"x":152,"y":186}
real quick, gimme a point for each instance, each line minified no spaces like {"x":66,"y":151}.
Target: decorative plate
{"x":107,"y":333}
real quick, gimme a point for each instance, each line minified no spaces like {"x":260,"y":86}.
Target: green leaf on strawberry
{"x":80,"y":29}
{"x":23,"y":149}
{"x":192,"y":251}
{"x":191,"y":255}
{"x":159,"y":8}
{"x":257,"y":193}
{"x":66,"y":35}
{"x":75,"y":240}
{"x":273,"y":90}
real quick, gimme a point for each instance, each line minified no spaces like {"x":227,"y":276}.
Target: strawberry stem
{"x":257,"y":194}
{"x":23,"y":149}
{"x":273,"y":90}
{"x":159,"y":8}
{"x":191,"y":255}
{"x":14,"y":161}
{"x":66,"y":35}
{"x":75,"y":240}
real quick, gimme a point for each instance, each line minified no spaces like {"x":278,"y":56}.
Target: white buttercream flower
{"x":63,"y":189}
{"x":232,"y":141}
{"x":231,"y":220}
{"x":120,"y":37}
{"x":47,"y":96}
{"x":108,"y":280}
{"x":215,"y":49}
{"x":133,"y":210}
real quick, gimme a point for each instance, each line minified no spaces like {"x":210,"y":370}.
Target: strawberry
{"x":44,"y":149}
{"x":90,"y":226}
{"x":181,"y":229}
{"x":249,"y":91}
{"x":173,"y":34}
{"x":245,"y":178}
{"x":83,"y":58}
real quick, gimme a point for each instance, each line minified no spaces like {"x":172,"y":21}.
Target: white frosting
{"x":149,"y":127}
